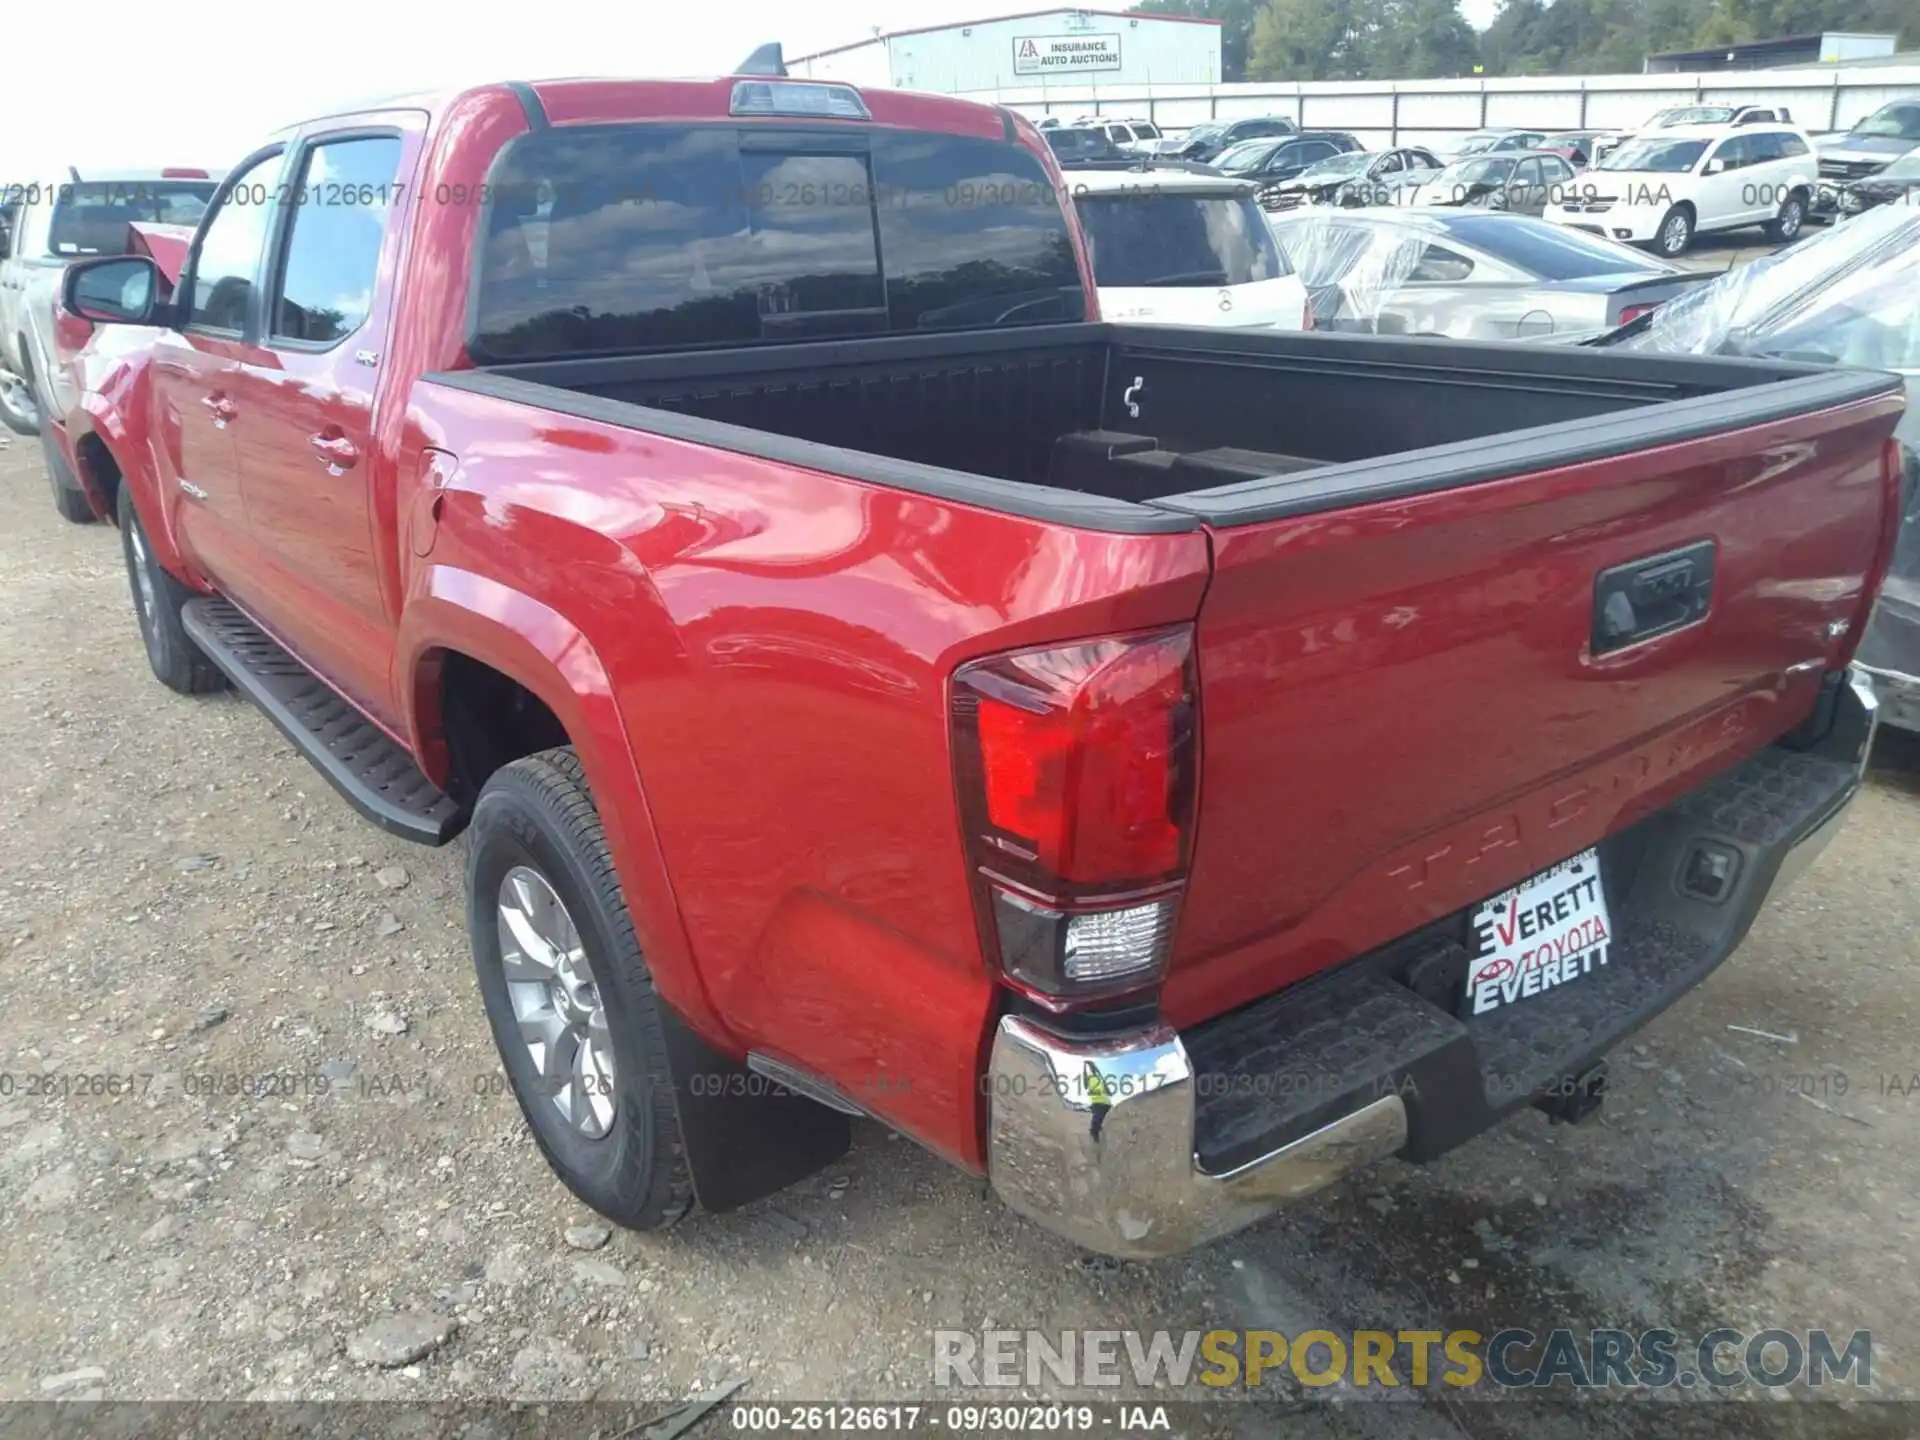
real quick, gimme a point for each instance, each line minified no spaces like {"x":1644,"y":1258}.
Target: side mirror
{"x":1714,"y":167}
{"x":113,"y":290}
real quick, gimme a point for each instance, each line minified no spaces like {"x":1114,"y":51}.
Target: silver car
{"x":51,"y":224}
{"x":1469,"y":274}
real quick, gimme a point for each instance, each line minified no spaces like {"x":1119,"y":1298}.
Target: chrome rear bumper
{"x":1094,"y":1138}
{"x":1095,"y":1141}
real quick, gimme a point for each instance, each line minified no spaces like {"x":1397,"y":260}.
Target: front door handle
{"x":336,"y":452}
{"x":1652,"y":596}
{"x":220,"y":408}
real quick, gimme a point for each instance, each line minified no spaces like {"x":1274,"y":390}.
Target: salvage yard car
{"x":1184,"y":249}
{"x":1160,"y":769}
{"x":1664,"y":188}
{"x":1372,"y":177}
{"x":1898,"y":184}
{"x":1522,"y":181}
{"x":56,"y":223}
{"x":1471,"y":275}
{"x":1872,"y":145}
{"x":1851,"y":297}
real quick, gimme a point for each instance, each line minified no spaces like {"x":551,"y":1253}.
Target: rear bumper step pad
{"x":377,"y":777}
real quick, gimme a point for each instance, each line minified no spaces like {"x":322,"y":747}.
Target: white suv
{"x":1665,"y":187}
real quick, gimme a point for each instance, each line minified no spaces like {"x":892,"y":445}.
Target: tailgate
{"x":1408,"y":704}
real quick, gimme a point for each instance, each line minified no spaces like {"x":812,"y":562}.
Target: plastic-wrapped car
{"x":1846,"y":296}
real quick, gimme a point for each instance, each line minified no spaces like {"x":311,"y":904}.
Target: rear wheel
{"x":157,"y":598}
{"x":1786,"y":226}
{"x":569,"y":996}
{"x":1675,"y":233}
{"x":68,"y":498}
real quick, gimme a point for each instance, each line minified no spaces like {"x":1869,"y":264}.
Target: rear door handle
{"x":336,"y":452}
{"x":1652,"y":596}
{"x":221,"y":408}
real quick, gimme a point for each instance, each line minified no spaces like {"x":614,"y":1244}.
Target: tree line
{"x":1427,"y":39}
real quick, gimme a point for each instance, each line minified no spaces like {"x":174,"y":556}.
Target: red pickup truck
{"x":1160,"y":769}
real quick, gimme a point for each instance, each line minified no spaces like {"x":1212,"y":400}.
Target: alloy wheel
{"x":556,"y":1001}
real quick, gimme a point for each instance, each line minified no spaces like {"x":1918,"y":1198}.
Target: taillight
{"x":1630,"y":313}
{"x":70,"y":333}
{"x":1077,"y":769}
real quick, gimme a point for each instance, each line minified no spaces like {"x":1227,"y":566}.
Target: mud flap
{"x":745,"y":1135}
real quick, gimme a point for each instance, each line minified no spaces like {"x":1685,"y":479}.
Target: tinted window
{"x":1079,"y":144}
{"x":1171,"y":240}
{"x":1441,"y":265}
{"x":649,"y":237}
{"x":1553,"y":252}
{"x":230,"y":249}
{"x":91,"y":218}
{"x":1734,"y":153}
{"x":1666,"y":157}
{"x":1762,"y":148}
{"x":333,"y":254}
{"x":1791,"y":145}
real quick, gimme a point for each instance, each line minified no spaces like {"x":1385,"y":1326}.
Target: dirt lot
{"x":182,"y":901}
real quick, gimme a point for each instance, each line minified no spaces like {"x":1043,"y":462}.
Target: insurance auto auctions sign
{"x":1064,"y":54}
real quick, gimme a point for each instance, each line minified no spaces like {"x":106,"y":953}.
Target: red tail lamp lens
{"x":1077,"y":769}
{"x":1083,"y":752}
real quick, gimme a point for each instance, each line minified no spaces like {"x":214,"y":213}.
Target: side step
{"x":378,"y":778}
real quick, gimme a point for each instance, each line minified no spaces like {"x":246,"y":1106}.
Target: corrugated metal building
{"x":1077,"y":47}
{"x":1835,"y":47}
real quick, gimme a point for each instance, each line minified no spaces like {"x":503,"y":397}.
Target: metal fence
{"x":1422,"y":112}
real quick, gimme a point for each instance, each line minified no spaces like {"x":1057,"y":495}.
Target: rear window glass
{"x":91,"y":217}
{"x":1552,"y":252}
{"x":652,"y":237}
{"x":1174,"y":240}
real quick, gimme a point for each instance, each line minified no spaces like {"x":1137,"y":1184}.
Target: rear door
{"x":1724,"y":199}
{"x":305,"y":440}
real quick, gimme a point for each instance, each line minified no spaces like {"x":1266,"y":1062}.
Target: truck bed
{"x":1411,"y":698}
{"x":1149,"y":428}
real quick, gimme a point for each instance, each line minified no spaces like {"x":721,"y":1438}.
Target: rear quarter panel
{"x":776,"y":644}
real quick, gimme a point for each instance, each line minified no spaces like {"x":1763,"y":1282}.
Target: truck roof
{"x":587,"y":100}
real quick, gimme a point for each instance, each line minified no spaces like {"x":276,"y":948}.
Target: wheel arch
{"x":463,"y":629}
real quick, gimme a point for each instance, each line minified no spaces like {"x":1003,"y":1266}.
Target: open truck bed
{"x":1177,"y":425}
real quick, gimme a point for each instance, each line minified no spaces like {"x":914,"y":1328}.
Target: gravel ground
{"x":182,"y":900}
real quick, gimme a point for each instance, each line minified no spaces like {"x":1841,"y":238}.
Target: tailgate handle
{"x":1652,"y":596}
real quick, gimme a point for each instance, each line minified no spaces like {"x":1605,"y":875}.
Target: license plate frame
{"x":1551,"y":930}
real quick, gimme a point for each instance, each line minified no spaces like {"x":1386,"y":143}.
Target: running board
{"x":378,"y":778}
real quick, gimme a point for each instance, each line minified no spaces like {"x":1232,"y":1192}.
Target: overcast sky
{"x":199,"y":82}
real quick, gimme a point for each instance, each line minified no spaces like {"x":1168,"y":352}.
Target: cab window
{"x":231,"y":248}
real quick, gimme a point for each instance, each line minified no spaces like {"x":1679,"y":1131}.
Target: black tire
{"x":175,"y":659}
{"x":1675,"y":235}
{"x":68,"y":498}
{"x":12,"y":415}
{"x":538,"y":813}
{"x":1785,"y":227}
